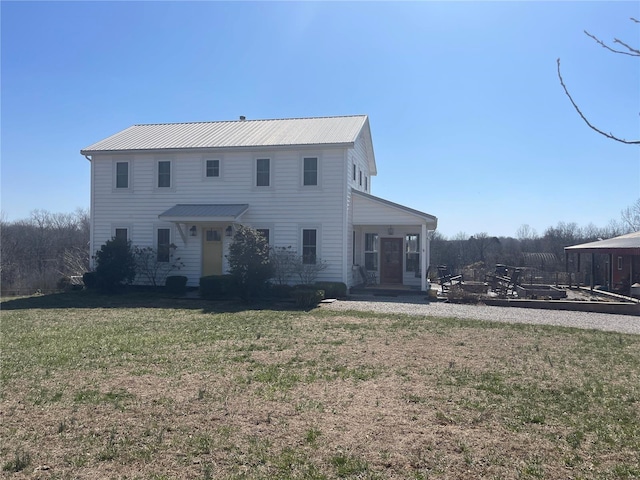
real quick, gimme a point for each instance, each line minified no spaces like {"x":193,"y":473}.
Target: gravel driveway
{"x":418,"y":306}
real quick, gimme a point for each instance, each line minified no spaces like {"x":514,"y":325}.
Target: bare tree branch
{"x":633,"y":52}
{"x":608,"y":135}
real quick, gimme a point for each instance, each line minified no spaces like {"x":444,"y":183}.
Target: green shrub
{"x":115,"y":264}
{"x":249,"y":262}
{"x":281,"y":291}
{"x":218,"y":287}
{"x":90,"y":280}
{"x":176,"y":284}
{"x":307,"y":297}
{"x":332,"y":289}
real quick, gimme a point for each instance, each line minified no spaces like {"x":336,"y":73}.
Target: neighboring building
{"x":623,"y":261}
{"x":303,"y":182}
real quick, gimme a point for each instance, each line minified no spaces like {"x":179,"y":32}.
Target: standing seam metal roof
{"x":240,"y":133}
{"x":628,"y":241}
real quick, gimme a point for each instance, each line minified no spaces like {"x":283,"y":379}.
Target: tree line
{"x":38,"y":252}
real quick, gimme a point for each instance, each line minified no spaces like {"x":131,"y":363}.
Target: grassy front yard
{"x":151,"y":388}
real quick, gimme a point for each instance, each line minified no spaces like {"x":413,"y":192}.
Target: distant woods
{"x":36,"y":253}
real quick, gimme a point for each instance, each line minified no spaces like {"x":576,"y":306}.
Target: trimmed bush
{"x":307,"y":297}
{"x":176,"y":284}
{"x":332,"y":289}
{"x":281,"y":291}
{"x":90,"y":280}
{"x":218,"y":287}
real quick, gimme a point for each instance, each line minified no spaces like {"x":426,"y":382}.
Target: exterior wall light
{"x":193,"y":231}
{"x":229,"y":231}
{"x":390,"y":230}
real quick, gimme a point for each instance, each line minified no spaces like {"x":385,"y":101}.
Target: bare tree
{"x":631,"y":216}
{"x":626,"y":50}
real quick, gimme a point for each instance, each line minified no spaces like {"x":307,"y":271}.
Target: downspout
{"x":91,"y":229}
{"x":423,"y":258}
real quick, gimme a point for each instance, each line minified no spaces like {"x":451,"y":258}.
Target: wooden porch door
{"x":212,"y":251}
{"x":391,"y":260}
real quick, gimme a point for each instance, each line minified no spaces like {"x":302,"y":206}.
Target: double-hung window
{"x":264,"y":232}
{"x":263,"y":172}
{"x":371,"y":251}
{"x":309,"y":246}
{"x":121,"y":234}
{"x":310,"y":171}
{"x":122,"y":174}
{"x":412,"y":253}
{"x":212,"y":168}
{"x":164,"y":174}
{"x":163,"y":245}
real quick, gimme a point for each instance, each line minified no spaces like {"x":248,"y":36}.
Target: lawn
{"x":141,"y":387}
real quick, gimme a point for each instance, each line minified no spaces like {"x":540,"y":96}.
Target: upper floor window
{"x":263,"y":172}
{"x":122,"y":174}
{"x":310,"y":174}
{"x":360,"y":177}
{"x":412,"y":255}
{"x":354,"y":172}
{"x":309,"y":246}
{"x":212,"y":168}
{"x":366,"y":183}
{"x":164,"y":174}
{"x":163,"y":245}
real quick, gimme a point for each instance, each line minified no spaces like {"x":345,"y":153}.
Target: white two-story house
{"x":303,"y":182}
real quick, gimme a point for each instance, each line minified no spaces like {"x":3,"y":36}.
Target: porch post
{"x":424,"y":246}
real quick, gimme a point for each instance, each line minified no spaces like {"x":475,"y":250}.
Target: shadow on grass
{"x":139,"y":299}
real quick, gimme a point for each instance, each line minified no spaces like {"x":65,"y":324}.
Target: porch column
{"x":424,"y":261}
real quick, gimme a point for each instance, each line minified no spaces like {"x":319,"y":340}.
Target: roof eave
{"x":209,"y":149}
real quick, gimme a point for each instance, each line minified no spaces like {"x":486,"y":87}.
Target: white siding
{"x":286,"y":204}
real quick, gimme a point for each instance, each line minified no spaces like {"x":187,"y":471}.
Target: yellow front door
{"x":212,"y":251}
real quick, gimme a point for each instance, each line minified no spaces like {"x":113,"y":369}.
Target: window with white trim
{"x":371,"y":251}
{"x":354,"y":172}
{"x":310,"y":171}
{"x":309,"y":246}
{"x":360,"y":177}
{"x":412,"y":253}
{"x":164,"y":174}
{"x":121,"y":233}
{"x":366,"y":183}
{"x":264,"y":232}
{"x":122,"y":175}
{"x":163,"y":244}
{"x":212,"y":168}
{"x":263,"y":172}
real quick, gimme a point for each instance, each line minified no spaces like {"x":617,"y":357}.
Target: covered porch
{"x":390,"y":244}
{"x":623,"y":262}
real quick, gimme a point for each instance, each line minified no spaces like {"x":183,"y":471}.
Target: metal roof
{"x":240,"y":133}
{"x":629,"y":244}
{"x":204,"y":212}
{"x":431,"y":220}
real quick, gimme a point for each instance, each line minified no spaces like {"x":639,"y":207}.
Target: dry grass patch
{"x":153,"y":389}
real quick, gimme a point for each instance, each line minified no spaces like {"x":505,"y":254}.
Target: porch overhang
{"x":204,"y":213}
{"x":198,"y":214}
{"x":628,"y":244}
{"x":370,"y":210}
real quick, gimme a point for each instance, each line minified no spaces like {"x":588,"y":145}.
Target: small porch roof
{"x":204,"y":213}
{"x":628,"y":244}
{"x":370,"y":210}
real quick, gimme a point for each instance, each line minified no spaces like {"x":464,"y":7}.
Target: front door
{"x":391,"y":260}
{"x":212,"y":251}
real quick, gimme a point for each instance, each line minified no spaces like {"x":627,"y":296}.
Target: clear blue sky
{"x":469,"y":121}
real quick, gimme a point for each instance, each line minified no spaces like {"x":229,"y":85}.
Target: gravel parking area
{"x":418,"y":306}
